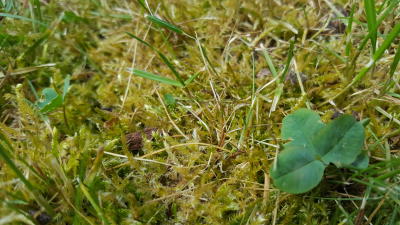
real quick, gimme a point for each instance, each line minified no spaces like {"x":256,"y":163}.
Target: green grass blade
{"x":395,"y":63}
{"x":37,"y":9}
{"x":250,"y":113}
{"x":387,"y":42}
{"x":142,"y":41}
{"x":288,"y":61}
{"x":23,"y":18}
{"x":165,"y":24}
{"x":4,"y":154}
{"x":280,"y":81}
{"x":393,"y":67}
{"x":172,"y":68}
{"x":93,"y":202}
{"x":67,"y":82}
{"x":378,"y":55}
{"x":6,"y":157}
{"x":191,"y":79}
{"x":163,"y":58}
{"x":393,"y":95}
{"x":33,"y":90}
{"x":144,"y":5}
{"x":349,"y":29}
{"x":155,"y":77}
{"x":269,"y":62}
{"x":382,"y":5}
{"x":381,"y":18}
{"x":371,"y":21}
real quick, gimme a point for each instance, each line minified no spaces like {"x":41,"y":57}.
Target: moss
{"x":199,"y":168}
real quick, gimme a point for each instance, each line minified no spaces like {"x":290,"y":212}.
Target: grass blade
{"x":163,"y":58}
{"x":269,"y":62}
{"x":36,"y":9}
{"x":142,"y":41}
{"x":8,"y":161}
{"x":67,"y":82}
{"x":288,"y":61}
{"x":155,"y":77}
{"x":378,"y":55}
{"x":165,"y":24}
{"x":387,"y":42}
{"x":30,"y":69}
{"x":145,"y":6}
{"x":382,"y":17}
{"x":191,"y":79}
{"x":393,"y":67}
{"x":6,"y":157}
{"x":382,"y":5}
{"x":281,"y":80}
{"x":250,"y":113}
{"x":349,"y":30}
{"x":395,"y":63}
{"x":33,"y":90}
{"x":23,"y":18}
{"x":371,"y":21}
{"x":93,"y":202}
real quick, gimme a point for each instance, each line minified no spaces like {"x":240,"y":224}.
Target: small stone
{"x":42,"y":218}
{"x":134,"y":141}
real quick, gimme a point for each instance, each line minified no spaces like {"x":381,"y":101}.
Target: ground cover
{"x":170,"y":112}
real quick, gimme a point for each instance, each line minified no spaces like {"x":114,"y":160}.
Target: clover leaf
{"x":313,"y":146}
{"x":51,"y":100}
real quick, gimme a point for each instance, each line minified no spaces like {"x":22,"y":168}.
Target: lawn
{"x":181,"y":111}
